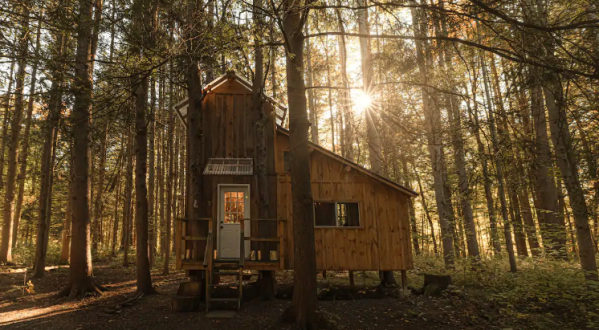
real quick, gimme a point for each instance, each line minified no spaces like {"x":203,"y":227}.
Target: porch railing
{"x":279,"y":239}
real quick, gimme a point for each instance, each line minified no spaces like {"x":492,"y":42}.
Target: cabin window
{"x":333,"y":214}
{"x":286,"y":162}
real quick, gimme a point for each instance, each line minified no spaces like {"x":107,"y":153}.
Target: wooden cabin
{"x":361,"y":218}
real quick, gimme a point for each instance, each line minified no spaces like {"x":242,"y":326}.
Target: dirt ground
{"x":35,"y":306}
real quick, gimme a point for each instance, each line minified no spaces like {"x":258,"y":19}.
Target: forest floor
{"x":35,"y":305}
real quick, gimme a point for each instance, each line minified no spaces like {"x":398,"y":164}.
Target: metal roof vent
{"x":229,"y":166}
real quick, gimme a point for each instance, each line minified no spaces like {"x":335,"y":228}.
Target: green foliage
{"x":544,"y":294}
{"x":24,"y":254}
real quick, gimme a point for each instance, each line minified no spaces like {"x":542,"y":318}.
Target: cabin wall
{"x":228,"y":125}
{"x":382,"y":242}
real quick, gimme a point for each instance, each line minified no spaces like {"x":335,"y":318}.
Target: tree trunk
{"x":511,"y":172}
{"x":81,"y":270}
{"x":529,"y":225}
{"x":6,"y":120}
{"x":117,"y":194}
{"x":566,"y":161}
{"x":25,"y":142}
{"x":151,"y":169}
{"x":486,"y":175}
{"x":170,"y":182}
{"x":262,"y":124}
{"x":196,"y":205}
{"x":98,"y":202}
{"x":303,"y":307}
{"x":126,"y":236}
{"x":66,"y":230}
{"x":499,"y":171}
{"x":435,"y":139}
{"x":13,"y":142}
{"x":347,"y":142}
{"x":312,"y":101}
{"x":425,"y":207}
{"x":408,"y":183}
{"x":144,"y":279}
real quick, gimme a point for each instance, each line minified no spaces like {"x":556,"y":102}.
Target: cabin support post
{"x":404,"y":280}
{"x":351,"y":278}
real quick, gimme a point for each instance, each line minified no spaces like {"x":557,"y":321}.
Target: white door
{"x":234,"y":206}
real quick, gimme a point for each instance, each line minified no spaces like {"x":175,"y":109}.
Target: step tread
{"x":225,"y":299}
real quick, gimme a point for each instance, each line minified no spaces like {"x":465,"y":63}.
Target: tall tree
{"x":81,"y":279}
{"x":434,"y":136}
{"x":26,"y":134}
{"x":15,"y":132}
{"x":263,"y":122}
{"x":303,"y":309}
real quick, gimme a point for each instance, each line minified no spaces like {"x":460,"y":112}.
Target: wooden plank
{"x":195,"y":238}
{"x":178,"y":244}
{"x":259,"y":239}
{"x":371,"y":227}
{"x":218,"y":137}
{"x":229,"y":126}
{"x":319,"y":247}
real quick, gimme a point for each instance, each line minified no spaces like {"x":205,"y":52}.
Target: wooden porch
{"x":188,"y":246}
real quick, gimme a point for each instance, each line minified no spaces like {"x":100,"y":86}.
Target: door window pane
{"x":234,"y":206}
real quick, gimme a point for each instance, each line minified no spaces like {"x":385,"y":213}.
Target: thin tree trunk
{"x":170,"y":181}
{"x":408,"y":183}
{"x":13,"y":142}
{"x":425,"y":207}
{"x":6,"y":120}
{"x":312,"y":102}
{"x":499,"y":171}
{"x":567,"y":163}
{"x":144,"y":279}
{"x":348,"y":150}
{"x":435,"y":140}
{"x":494,"y":237}
{"x":126,"y":237}
{"x":25,"y":142}
{"x":66,"y":229}
{"x":151,"y":169}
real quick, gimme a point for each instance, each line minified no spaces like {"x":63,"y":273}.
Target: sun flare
{"x":361,"y":101}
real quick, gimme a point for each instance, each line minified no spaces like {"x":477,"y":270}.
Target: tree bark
{"x":499,"y":171}
{"x":151,"y":168}
{"x":170,"y":182}
{"x":425,"y":207}
{"x":303,"y":306}
{"x":347,"y":142}
{"x":126,"y":236}
{"x":81,"y":270}
{"x":567,"y":163}
{"x":407,"y":178}
{"x":144,"y":279}
{"x":435,"y":140}
{"x":312,"y":101}
{"x":25,"y":143}
{"x":6,"y":120}
{"x":13,"y":142}
{"x":196,"y":205}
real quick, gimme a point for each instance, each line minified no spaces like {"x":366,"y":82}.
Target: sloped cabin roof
{"x":281,"y":111}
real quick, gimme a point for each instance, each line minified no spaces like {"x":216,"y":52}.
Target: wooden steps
{"x":224,"y":268}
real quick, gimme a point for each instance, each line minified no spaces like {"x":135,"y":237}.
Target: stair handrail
{"x":209,"y":247}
